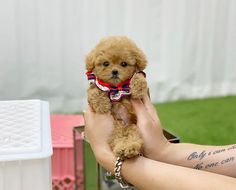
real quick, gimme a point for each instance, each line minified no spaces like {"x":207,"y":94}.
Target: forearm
{"x":217,"y":159}
{"x":146,"y":174}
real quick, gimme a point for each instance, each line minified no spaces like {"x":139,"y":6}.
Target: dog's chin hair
{"x":115,"y":81}
{"x":112,"y":80}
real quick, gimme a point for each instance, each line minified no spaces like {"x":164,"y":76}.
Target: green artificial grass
{"x":91,"y":170}
{"x":206,"y":121}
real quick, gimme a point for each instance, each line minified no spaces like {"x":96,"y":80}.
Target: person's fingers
{"x":83,"y":136}
{"x":139,"y":107}
{"x":142,"y":115}
{"x":150,"y":108}
{"x":148,"y":104}
{"x":88,"y":111}
{"x":90,"y":116}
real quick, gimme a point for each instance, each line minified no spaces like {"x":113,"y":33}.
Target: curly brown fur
{"x":120,"y":55}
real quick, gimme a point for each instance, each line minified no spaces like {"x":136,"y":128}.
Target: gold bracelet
{"x":117,"y":170}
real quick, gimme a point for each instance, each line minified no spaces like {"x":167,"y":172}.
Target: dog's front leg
{"x":138,"y":86}
{"x":98,"y":100}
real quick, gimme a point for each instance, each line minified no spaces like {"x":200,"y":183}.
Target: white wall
{"x":190,"y":45}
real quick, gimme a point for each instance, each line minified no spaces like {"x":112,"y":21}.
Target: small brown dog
{"x":115,"y":68}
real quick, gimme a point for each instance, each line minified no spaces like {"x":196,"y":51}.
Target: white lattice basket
{"x":25,"y":145}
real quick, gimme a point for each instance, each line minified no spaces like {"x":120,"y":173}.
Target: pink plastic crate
{"x":63,"y":175}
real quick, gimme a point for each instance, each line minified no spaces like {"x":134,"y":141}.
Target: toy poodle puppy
{"x":115,"y":71}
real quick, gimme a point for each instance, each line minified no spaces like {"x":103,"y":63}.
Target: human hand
{"x":98,"y":128}
{"x":149,"y":124}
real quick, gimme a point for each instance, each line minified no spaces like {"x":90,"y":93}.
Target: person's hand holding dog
{"x":99,"y":127}
{"x":150,"y":127}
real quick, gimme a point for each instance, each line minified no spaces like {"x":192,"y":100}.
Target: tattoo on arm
{"x":214,"y":164}
{"x":203,"y":154}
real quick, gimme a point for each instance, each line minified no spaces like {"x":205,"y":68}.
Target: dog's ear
{"x":90,"y":62}
{"x":141,"y":60}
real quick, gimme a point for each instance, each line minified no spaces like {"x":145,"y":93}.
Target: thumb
{"x":143,"y":116}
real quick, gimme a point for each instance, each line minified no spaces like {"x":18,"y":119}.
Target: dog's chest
{"x":123,"y":111}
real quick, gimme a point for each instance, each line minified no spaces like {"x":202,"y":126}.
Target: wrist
{"x":161,"y":151}
{"x":105,"y":158}
{"x":166,"y":153}
{"x":117,"y":173}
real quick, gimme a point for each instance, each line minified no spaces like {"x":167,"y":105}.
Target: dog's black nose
{"x":114,"y":72}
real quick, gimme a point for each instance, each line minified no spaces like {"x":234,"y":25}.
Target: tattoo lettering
{"x":230,"y":159}
{"x":198,"y":166}
{"x":195,"y":155}
{"x":232,"y":147}
{"x":218,"y":151}
{"x":203,"y":154}
{"x":214,"y":164}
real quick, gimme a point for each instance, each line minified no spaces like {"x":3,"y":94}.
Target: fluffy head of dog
{"x":115,"y":59}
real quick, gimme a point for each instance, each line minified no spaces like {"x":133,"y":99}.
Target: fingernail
{"x":83,"y":135}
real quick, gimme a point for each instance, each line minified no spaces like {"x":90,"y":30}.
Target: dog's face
{"x":115,"y":59}
{"x":115,"y":66}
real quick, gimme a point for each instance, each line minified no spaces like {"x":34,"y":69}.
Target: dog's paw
{"x":133,"y":150}
{"x":99,"y":101}
{"x":127,"y":149}
{"x":103,"y":106}
{"x":138,"y":86}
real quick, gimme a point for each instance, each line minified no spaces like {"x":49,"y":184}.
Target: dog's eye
{"x":106,"y":63}
{"x":124,"y":64}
